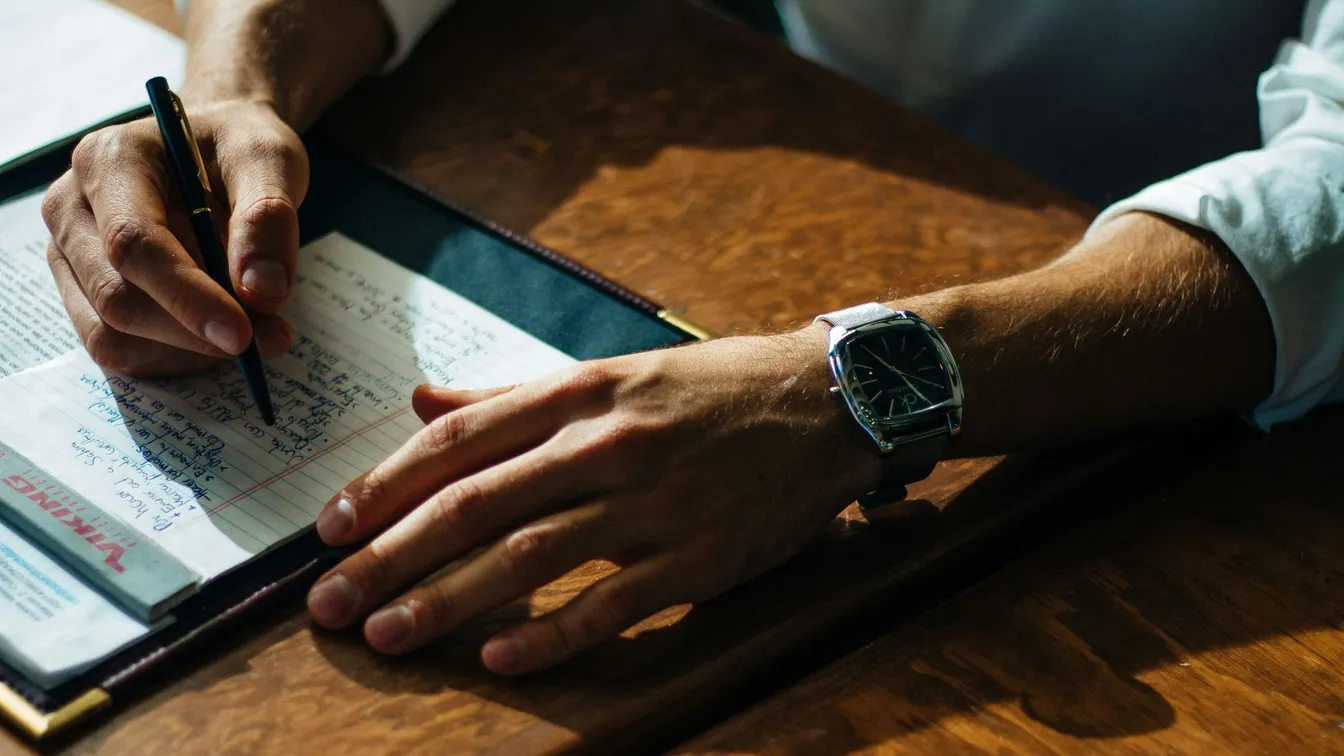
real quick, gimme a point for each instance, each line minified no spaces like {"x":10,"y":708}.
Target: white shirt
{"x":1112,"y":90}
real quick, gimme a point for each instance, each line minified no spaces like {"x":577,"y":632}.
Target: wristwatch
{"x":899,"y":381}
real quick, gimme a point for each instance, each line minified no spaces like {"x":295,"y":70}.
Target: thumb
{"x":266,"y":181}
{"x":430,"y":402}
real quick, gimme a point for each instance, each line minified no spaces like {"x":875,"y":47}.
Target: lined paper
{"x":189,"y":463}
{"x":33,"y":325}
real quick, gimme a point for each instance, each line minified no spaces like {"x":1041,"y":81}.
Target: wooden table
{"x":712,"y":170}
{"x":1205,"y":616}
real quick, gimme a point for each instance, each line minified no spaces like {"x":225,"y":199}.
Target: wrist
{"x":203,"y":96}
{"x":861,"y":465}
{"x":293,"y":57}
{"x":879,"y":358}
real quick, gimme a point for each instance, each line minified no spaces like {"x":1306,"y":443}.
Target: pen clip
{"x":191,"y":140}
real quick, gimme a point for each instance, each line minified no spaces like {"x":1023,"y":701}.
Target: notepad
{"x":129,"y":471}
{"x":51,"y":623}
{"x":67,"y":66}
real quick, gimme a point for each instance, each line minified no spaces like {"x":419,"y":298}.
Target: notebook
{"x":136,"y":513}
{"x":94,"y":54}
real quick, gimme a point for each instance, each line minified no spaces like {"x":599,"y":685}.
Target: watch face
{"x":895,"y":372}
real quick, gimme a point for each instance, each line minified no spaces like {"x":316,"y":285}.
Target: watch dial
{"x":896,"y":373}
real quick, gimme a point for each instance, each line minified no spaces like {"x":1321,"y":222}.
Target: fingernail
{"x":225,"y":337}
{"x":503,"y":654}
{"x":335,"y":521}
{"x":389,"y":629}
{"x":269,"y":278}
{"x":332,"y":601}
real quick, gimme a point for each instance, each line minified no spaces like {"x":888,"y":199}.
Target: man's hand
{"x":697,"y":468}
{"x":122,"y":250}
{"x":125,"y":259}
{"x":694,"y":469}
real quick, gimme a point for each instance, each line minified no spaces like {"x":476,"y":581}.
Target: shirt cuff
{"x":410,"y":19}
{"x":1277,"y":210}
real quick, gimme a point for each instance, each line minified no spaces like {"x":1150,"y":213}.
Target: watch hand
{"x":880,"y":361}
{"x":912,"y":387}
{"x":898,"y":374}
{"x":925,"y":380}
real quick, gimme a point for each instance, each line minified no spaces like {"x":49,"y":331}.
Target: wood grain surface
{"x":711,"y":170}
{"x":1206,"y":616}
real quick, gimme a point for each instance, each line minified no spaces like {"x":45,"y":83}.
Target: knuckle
{"x":445,"y":432}
{"x":183,"y":303}
{"x":267,"y":145}
{"x":587,"y":379}
{"x":373,"y":487}
{"x":530,"y":552}
{"x":106,"y":349}
{"x":85,"y":156}
{"x":614,"y":606}
{"x":560,"y":640}
{"x":433,"y":607}
{"x":266,"y":210}
{"x":123,"y":239}
{"x":620,"y":441}
{"x":54,"y":202}
{"x":458,"y":508}
{"x":114,"y":301}
{"x":376,"y":571}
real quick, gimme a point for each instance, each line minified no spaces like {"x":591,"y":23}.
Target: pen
{"x":189,"y":168}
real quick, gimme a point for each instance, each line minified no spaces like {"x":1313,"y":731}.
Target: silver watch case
{"x":915,"y":426}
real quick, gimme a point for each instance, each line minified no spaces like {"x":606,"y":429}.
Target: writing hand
{"x":124,"y":257}
{"x":648,"y":460}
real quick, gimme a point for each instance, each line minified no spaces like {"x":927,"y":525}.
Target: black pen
{"x":189,"y":169}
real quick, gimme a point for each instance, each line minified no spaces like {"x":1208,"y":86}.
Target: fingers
{"x":76,"y":254}
{"x":124,"y":192}
{"x":521,"y":562}
{"x":124,"y":350}
{"x":114,"y":350}
{"x":474,"y":510}
{"x":449,"y":447}
{"x":431,"y":402}
{"x":602,"y":611}
{"x":265,"y":173}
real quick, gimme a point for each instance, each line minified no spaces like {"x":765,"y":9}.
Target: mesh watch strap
{"x":853,"y":317}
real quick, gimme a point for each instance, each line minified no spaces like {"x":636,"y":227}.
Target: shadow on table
{"x":570,"y":88}
{"x":1240,"y":551}
{"x":508,"y":110}
{"x":722,"y":655}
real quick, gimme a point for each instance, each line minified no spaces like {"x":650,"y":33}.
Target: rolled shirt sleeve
{"x":410,"y":19}
{"x":1280,"y":210}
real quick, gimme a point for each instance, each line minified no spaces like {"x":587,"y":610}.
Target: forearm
{"x":1144,"y":322}
{"x":296,"y":56}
